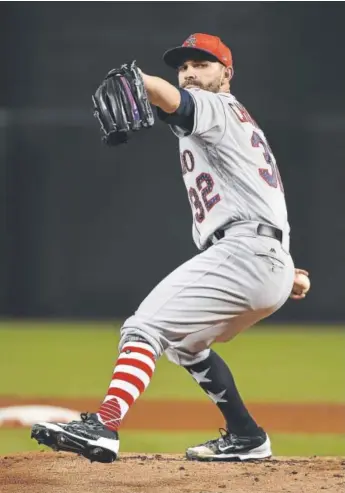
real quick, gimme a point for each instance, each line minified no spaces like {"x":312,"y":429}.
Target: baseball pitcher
{"x":243,"y":273}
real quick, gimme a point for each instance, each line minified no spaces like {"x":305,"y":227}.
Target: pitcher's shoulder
{"x":227,"y":96}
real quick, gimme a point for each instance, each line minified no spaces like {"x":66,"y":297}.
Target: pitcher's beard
{"x":213,"y":86}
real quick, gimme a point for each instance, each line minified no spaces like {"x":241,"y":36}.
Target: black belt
{"x":263,"y":230}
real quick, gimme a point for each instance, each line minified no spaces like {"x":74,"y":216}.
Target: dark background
{"x":87,"y":231}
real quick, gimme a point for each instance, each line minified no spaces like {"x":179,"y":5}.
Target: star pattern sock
{"x":215,"y":378}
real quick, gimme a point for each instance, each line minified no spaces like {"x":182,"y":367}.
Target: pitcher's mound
{"x":154,"y":473}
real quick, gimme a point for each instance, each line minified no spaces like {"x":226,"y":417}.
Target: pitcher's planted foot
{"x":231,"y":447}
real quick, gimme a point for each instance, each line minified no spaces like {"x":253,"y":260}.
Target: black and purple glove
{"x":121,"y":104}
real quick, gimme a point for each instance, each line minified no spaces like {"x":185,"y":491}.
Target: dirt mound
{"x":133,"y":473}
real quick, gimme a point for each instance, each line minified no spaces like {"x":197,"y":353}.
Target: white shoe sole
{"x":264,"y":451}
{"x":55,"y":436}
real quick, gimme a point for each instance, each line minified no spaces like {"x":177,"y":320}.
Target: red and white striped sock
{"x":132,"y":374}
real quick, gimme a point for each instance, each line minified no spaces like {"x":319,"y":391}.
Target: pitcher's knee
{"x":139,"y":334}
{"x":185,"y":358}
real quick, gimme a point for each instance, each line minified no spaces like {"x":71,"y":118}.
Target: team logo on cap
{"x":191,"y":41}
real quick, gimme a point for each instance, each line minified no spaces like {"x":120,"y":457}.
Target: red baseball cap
{"x":202,"y":44}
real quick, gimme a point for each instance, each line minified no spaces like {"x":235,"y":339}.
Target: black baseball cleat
{"x":230,"y":447}
{"x":88,"y":437}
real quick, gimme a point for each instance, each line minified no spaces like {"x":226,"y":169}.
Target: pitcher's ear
{"x":229,"y":72}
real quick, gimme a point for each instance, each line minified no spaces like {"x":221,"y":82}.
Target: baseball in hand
{"x":301,"y":284}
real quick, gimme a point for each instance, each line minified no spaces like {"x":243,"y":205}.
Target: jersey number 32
{"x":204,"y":184}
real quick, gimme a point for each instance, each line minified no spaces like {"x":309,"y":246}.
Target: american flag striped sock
{"x":132,"y":374}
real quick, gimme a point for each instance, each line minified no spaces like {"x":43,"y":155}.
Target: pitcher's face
{"x":203,"y":74}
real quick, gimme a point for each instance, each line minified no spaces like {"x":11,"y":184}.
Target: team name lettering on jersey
{"x":242,"y":114}
{"x":187,"y":162}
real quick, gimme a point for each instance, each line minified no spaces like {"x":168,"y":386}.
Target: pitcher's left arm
{"x":161,"y":93}
{"x":198,"y":111}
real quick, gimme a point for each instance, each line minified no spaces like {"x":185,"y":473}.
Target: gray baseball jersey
{"x":228,"y":168}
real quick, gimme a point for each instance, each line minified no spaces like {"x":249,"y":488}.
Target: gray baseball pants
{"x":227,"y":288}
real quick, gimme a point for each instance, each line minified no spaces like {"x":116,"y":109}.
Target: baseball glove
{"x":121,"y":104}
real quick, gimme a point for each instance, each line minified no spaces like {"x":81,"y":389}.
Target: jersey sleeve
{"x":209,"y":115}
{"x":183,"y":117}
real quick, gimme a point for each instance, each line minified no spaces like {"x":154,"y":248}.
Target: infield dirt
{"x":61,"y":473}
